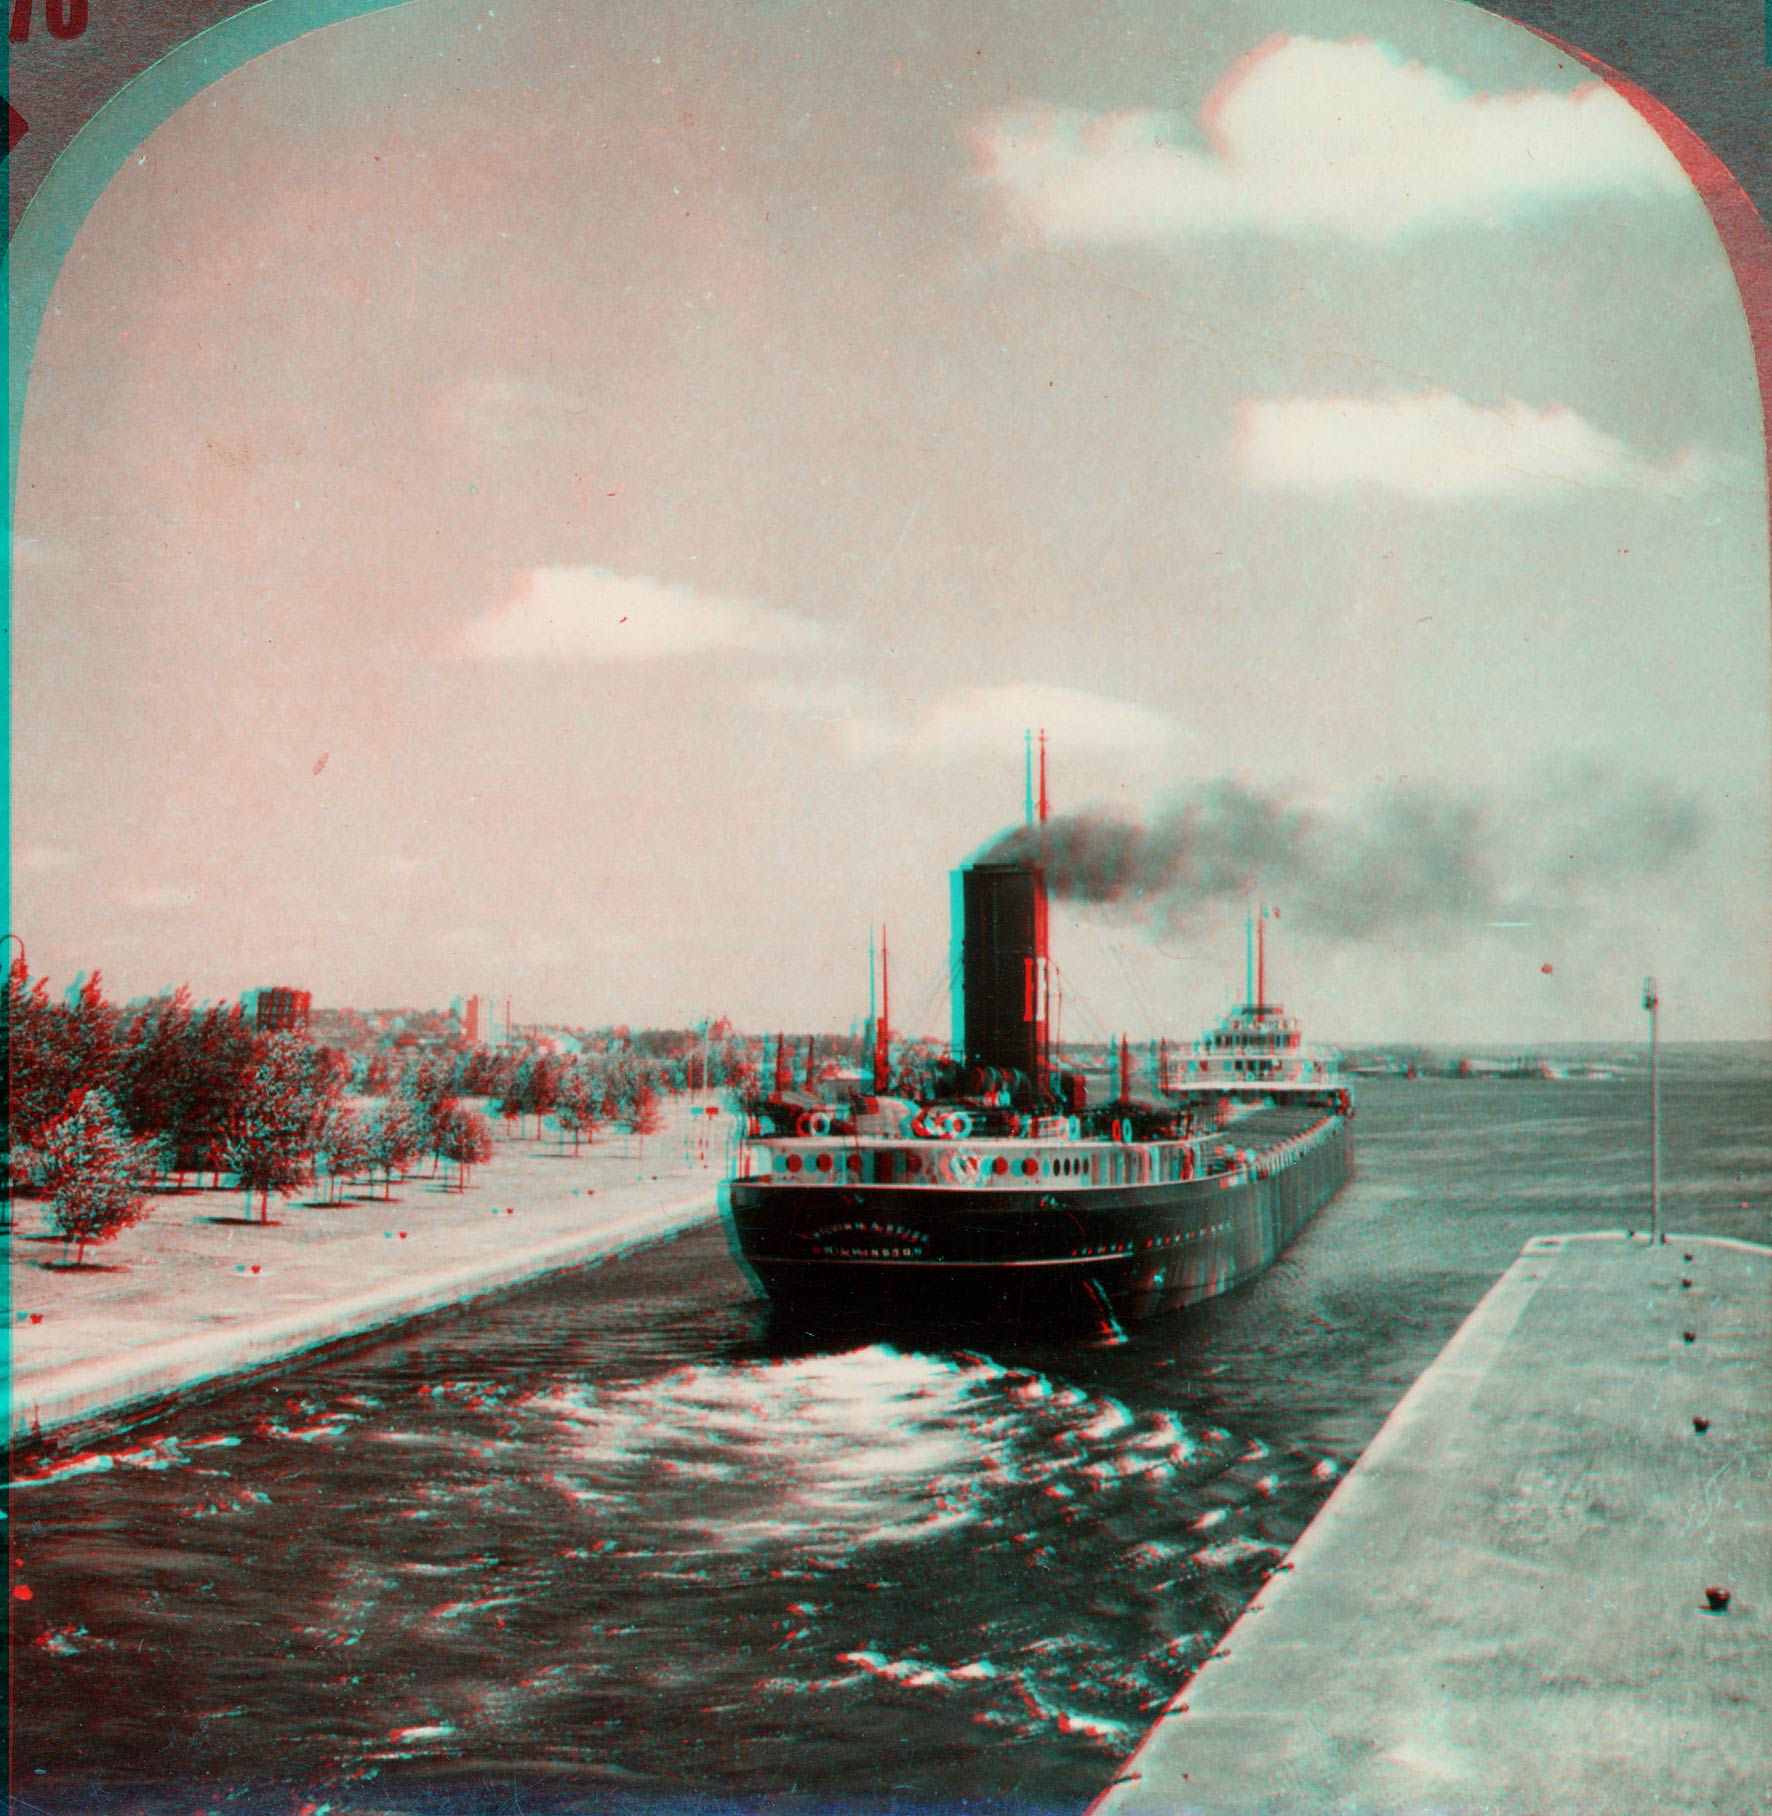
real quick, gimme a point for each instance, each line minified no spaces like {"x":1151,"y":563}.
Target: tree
{"x":23,"y":1170}
{"x":161,"y":1152}
{"x":483,"y":1072}
{"x":388,"y":1145}
{"x":92,"y":1172}
{"x":223,"y":1053}
{"x":343,"y":1150}
{"x":55,"y":1051}
{"x":440,"y":1122}
{"x":544,"y":1089}
{"x":283,"y":1112}
{"x":511,"y":1105}
{"x":154,"y":1050}
{"x":88,"y":1036}
{"x":645,"y":1116}
{"x":465,"y":1137}
{"x":29,"y":1107}
{"x":425,"y":1099}
{"x":577,"y":1108}
{"x":264,"y":1159}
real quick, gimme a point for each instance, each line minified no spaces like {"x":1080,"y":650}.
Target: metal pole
{"x":1652,"y":1002}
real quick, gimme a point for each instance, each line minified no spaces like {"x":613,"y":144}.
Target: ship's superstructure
{"x":996,"y":1185}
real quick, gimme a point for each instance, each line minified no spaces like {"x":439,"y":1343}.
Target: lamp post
{"x":1652,"y":1002}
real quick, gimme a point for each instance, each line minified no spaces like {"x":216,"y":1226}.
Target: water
{"x":623,"y":1543}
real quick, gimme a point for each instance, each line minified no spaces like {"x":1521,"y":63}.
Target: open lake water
{"x":625,"y":1543}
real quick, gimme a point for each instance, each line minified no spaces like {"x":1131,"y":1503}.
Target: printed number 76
{"x":65,"y":19}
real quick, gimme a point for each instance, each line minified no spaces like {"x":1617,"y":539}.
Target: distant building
{"x":283,"y":1011}
{"x":470,"y":1021}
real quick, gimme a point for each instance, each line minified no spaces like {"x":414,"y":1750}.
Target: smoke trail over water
{"x":1413,"y":859}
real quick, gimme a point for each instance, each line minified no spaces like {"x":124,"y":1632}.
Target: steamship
{"x":994,"y":1188}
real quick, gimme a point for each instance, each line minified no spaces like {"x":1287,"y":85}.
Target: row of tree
{"x":105,"y":1103}
{"x":712,"y":1057}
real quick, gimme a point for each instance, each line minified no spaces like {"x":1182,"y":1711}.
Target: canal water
{"x":625,"y":1543}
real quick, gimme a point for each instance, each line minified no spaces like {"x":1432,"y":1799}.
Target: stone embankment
{"x":1546,"y":1586}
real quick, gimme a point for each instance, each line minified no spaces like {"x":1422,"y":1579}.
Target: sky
{"x":582,"y":503}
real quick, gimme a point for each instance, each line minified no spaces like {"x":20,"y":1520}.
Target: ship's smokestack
{"x":1003,"y":969}
{"x":1125,"y":1070}
{"x":1261,"y":961}
{"x":811,"y":1068}
{"x":784,"y":1070}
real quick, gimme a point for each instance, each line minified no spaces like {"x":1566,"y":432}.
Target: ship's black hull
{"x":922,"y":1254}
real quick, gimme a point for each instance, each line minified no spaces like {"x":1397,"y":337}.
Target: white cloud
{"x":588,"y":614}
{"x":1435,"y":446}
{"x":1305,"y":135}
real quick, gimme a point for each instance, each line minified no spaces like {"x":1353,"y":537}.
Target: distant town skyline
{"x":585,"y":507}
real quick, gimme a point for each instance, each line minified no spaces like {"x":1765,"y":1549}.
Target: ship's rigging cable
{"x":1081,"y":1005}
{"x":1112,"y":947}
{"x":1138,"y":996}
{"x":942,"y":987}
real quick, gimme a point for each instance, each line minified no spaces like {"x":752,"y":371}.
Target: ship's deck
{"x":1263,"y":1138}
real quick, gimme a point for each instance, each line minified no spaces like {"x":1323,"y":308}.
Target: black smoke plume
{"x":1415,"y":859}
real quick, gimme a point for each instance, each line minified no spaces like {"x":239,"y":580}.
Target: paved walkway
{"x":195,"y":1294}
{"x":1503,"y":1607}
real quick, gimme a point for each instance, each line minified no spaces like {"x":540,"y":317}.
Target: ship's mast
{"x":1261,"y":960}
{"x":1249,"y":957}
{"x":873,"y":1012}
{"x":883,"y":1028}
{"x":1044,"y":959}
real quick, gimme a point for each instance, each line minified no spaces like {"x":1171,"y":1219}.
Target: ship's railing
{"x":1014,"y":1165}
{"x":1201,"y":1071}
{"x":993,"y":1164}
